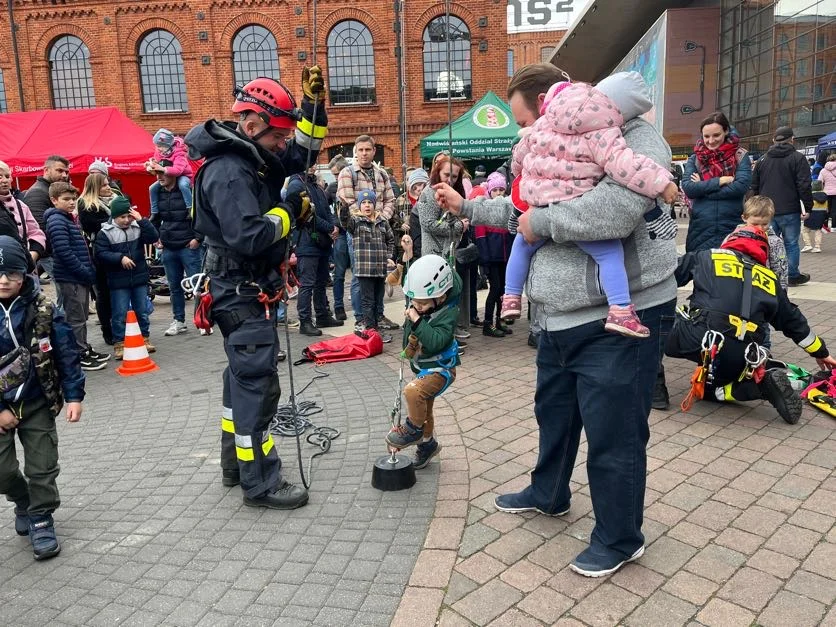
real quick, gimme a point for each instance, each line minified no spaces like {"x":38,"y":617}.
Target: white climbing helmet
{"x":429,"y":277}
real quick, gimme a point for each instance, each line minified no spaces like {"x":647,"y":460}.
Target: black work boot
{"x":42,"y":536}
{"x":661,"y":399}
{"x":306,"y":327}
{"x":323,"y":322}
{"x":230,"y":478}
{"x":777,"y":389}
{"x":22,"y":518}
{"x":339,"y":313}
{"x":286,"y":496}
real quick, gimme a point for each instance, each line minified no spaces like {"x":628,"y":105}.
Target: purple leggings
{"x":608,"y":254}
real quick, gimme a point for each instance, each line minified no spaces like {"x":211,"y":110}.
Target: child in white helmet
{"x":433,"y":290}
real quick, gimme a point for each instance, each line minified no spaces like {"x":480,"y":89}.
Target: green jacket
{"x":435,"y":331}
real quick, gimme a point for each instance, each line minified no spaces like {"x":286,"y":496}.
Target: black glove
{"x":313,"y":85}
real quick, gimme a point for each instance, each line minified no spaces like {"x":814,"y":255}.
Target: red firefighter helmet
{"x":270,"y":100}
{"x":749,"y":240}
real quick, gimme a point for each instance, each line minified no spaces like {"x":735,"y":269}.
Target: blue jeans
{"x":176,"y":262}
{"x":121,"y":300}
{"x":603,"y":383}
{"x":788,"y":226}
{"x":356,"y":303}
{"x":185,"y":185}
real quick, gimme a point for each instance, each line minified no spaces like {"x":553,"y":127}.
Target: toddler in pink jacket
{"x":170,"y":157}
{"x":566,"y":152}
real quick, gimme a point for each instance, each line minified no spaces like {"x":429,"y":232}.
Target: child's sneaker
{"x":424,"y":452}
{"x":511,"y":306}
{"x":22,"y":519}
{"x":42,"y":536}
{"x":89,"y":363}
{"x":505,"y":328}
{"x":492,"y":331}
{"x":807,"y":249}
{"x":624,"y":320}
{"x":405,"y":434}
{"x":97,"y":355}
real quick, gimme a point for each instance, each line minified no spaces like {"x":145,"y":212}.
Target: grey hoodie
{"x":562,"y":278}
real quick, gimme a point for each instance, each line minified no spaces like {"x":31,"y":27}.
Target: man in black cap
{"x":783,"y":175}
{"x":481,"y":175}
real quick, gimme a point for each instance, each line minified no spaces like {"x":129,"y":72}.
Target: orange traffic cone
{"x":136,"y":359}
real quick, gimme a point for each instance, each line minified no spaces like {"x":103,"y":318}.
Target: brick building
{"x":174,"y":63}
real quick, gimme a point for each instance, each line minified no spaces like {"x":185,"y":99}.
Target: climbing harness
{"x":712,"y":343}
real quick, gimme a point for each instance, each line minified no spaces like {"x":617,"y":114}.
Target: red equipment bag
{"x":346,"y":348}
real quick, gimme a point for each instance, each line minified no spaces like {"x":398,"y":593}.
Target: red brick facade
{"x":205,"y":29}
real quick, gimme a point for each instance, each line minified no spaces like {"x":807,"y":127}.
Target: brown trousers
{"x":420,"y":395}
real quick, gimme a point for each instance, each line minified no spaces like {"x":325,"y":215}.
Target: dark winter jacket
{"x":37,"y":198}
{"x":173,"y":220}
{"x":494,"y":244}
{"x":315,"y":234}
{"x":237,"y":186}
{"x":91,"y":221}
{"x":415,"y":231}
{"x":73,"y":263}
{"x":113,"y":243}
{"x":715,"y":209}
{"x":65,"y":357}
{"x":783,"y":175}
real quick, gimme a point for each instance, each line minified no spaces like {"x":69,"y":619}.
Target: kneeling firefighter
{"x":735,"y":297}
{"x":238,"y":209}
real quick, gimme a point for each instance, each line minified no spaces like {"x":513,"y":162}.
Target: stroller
{"x":157,"y":281}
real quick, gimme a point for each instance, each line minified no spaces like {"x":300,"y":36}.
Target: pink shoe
{"x":624,"y":320}
{"x":511,"y":307}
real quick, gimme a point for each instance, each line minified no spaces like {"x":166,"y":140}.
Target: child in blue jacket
{"x":39,"y":371}
{"x":120,"y":248}
{"x":73,"y":269}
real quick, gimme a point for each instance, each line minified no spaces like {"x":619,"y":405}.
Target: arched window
{"x":161,"y":73}
{"x":4,"y":105}
{"x":254,"y":53}
{"x":351,"y":64}
{"x":439,"y":79}
{"x":72,"y":78}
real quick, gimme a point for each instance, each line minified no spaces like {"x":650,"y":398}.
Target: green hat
{"x":119,"y":206}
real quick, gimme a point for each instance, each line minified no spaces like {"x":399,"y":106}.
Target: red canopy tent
{"x":80,"y":135}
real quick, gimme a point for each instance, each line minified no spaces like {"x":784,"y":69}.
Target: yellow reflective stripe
{"x":281,"y":219}
{"x":267,"y":445}
{"x":227,"y":425}
{"x":245,"y":454}
{"x":816,"y":345}
{"x":308,"y":128}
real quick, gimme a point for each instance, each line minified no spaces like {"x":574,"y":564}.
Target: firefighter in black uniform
{"x":238,"y":209}
{"x":735,"y":297}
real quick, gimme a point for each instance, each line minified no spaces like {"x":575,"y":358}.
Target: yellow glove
{"x":313,"y":85}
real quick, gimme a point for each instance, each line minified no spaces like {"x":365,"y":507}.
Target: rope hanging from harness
{"x":712,"y":342}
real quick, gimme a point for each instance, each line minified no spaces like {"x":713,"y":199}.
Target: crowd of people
{"x":578,"y":219}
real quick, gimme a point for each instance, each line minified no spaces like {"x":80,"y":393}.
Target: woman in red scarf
{"x":717,"y":177}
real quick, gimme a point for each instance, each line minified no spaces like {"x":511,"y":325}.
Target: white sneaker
{"x":816,"y":250}
{"x":205,"y":332}
{"x":806,"y":249}
{"x":176,"y":328}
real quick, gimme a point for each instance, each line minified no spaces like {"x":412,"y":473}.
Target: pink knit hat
{"x":550,"y":95}
{"x":494,"y":181}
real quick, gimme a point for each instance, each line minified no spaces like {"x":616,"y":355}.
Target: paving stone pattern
{"x":739,"y":516}
{"x":151,"y":537}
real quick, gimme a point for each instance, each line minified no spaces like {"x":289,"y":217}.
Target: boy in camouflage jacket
{"x":39,"y":370}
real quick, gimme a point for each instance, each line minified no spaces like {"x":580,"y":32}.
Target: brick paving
{"x":150,"y":536}
{"x":739,"y":516}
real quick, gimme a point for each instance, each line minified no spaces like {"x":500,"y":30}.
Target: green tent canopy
{"x":487,"y":131}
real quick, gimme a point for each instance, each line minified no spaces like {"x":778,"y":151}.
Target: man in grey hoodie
{"x":589,"y":378}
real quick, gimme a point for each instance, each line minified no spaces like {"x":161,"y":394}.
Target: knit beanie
{"x":495,"y":181}
{"x":119,"y":206}
{"x":13,"y":258}
{"x":366,"y":194}
{"x":164,"y":137}
{"x":98,"y":165}
{"x":417,"y":176}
